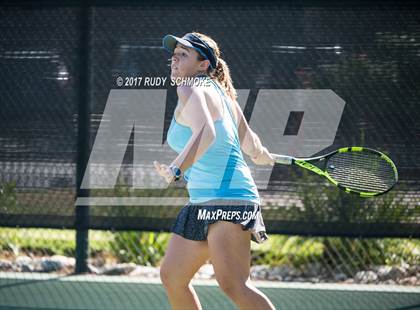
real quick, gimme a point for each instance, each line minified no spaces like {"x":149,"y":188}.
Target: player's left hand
{"x":164,"y":171}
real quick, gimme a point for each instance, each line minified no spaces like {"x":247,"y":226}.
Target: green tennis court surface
{"x":43,"y":291}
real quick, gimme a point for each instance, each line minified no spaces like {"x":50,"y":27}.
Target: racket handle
{"x":282,"y":159}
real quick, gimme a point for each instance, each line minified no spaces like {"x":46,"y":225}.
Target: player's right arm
{"x":249,"y":140}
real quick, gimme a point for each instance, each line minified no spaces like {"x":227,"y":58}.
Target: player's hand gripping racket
{"x":358,"y":170}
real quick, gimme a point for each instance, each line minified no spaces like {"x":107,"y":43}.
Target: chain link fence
{"x":59,"y":62}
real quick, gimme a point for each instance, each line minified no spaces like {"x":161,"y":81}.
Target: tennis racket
{"x":357,"y":170}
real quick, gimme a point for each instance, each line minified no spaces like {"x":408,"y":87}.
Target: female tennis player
{"x":209,"y":133}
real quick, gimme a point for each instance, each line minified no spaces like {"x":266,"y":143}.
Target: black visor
{"x":193,"y":41}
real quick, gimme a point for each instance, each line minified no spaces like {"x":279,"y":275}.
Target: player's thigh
{"x":230,"y":253}
{"x":183,"y":257}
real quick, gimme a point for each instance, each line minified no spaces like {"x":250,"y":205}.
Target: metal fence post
{"x":82,"y":212}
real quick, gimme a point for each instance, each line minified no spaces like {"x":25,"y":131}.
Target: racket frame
{"x":304,"y":163}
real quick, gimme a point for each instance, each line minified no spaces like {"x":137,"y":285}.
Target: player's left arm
{"x":196,"y":115}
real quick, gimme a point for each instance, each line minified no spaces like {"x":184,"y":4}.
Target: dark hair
{"x":221,"y":73}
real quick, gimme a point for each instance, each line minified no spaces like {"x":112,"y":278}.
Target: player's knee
{"x":171,"y":279}
{"x":232,"y":288}
{"x":166,"y":276}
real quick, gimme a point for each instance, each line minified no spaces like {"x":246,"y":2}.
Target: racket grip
{"x":282,"y":159}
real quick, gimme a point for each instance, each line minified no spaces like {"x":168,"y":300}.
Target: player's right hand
{"x":265,"y":158}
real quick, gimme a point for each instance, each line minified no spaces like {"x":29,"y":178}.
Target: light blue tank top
{"x":221,"y":172}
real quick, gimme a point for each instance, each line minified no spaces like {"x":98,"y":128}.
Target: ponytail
{"x":222,"y":75}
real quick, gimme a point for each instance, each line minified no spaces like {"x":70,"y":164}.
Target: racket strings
{"x":362,"y":175}
{"x":361,"y":171}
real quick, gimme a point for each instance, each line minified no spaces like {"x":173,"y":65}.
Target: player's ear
{"x":204,"y":65}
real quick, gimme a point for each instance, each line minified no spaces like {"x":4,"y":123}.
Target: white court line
{"x":138,"y":201}
{"x":268,"y":284}
{"x":130,"y":201}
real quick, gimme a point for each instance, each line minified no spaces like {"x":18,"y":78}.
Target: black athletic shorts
{"x":194,"y":219}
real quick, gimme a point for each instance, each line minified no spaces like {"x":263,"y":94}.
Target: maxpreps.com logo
{"x":141,"y":113}
{"x":226,"y":215}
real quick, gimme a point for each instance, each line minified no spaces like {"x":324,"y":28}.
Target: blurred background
{"x":60,"y":60}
